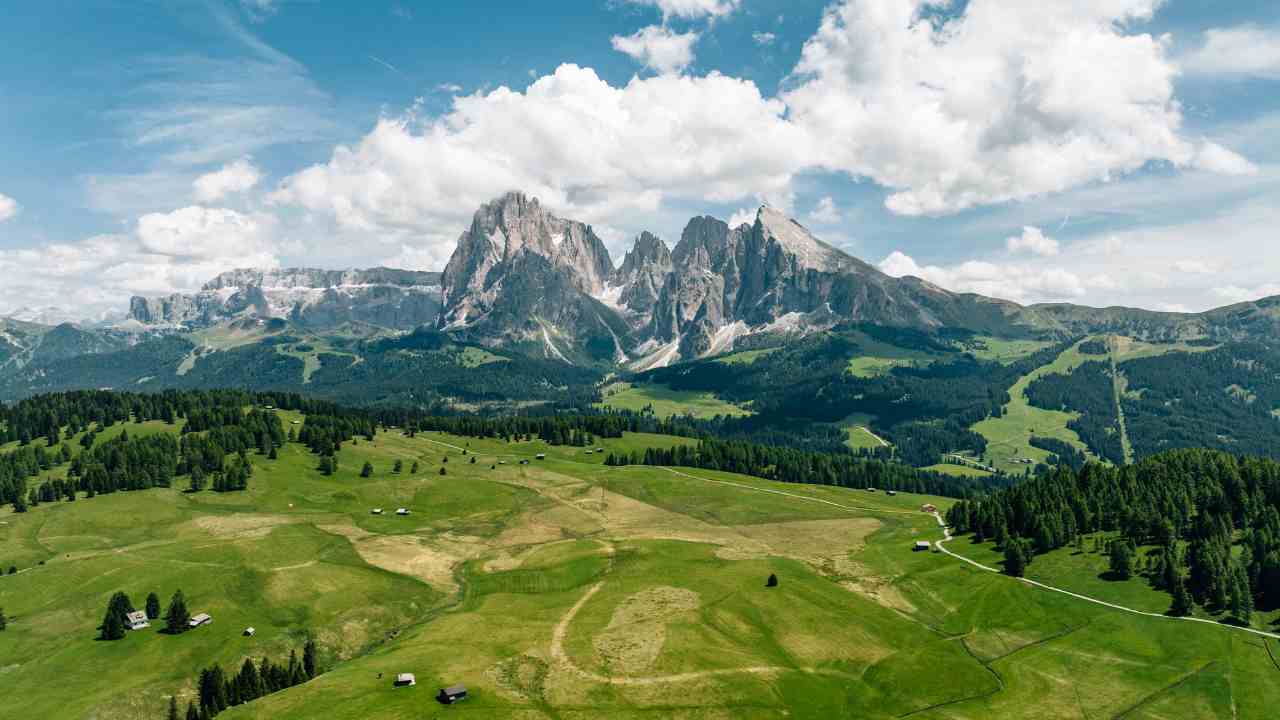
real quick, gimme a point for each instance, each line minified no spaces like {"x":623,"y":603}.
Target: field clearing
{"x":1004,"y":351}
{"x":667,"y":402}
{"x":564,"y":588}
{"x":958,"y":470}
{"x":1008,"y":437}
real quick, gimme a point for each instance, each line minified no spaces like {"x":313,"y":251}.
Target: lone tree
{"x":309,"y":658}
{"x":153,"y":606}
{"x":473,"y":459}
{"x":398,"y":467}
{"x":413,"y":469}
{"x":772,"y":581}
{"x":4,"y":621}
{"x":367,"y":470}
{"x":114,"y":622}
{"x":177,"y":617}
{"x":1121,"y":560}
{"x":443,"y":471}
{"x":1015,"y":556}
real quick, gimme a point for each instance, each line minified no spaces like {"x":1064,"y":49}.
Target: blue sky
{"x":150,"y":145}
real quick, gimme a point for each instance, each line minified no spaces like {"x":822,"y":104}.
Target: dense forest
{"x":1208,"y":523}
{"x":811,"y":468}
{"x":1088,"y":390}
{"x":925,"y":409}
{"x":1223,"y":398}
{"x":212,"y":448}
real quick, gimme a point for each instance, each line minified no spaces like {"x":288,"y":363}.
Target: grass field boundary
{"x":946,"y":531}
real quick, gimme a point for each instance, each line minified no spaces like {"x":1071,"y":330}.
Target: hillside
{"x":637,"y":590}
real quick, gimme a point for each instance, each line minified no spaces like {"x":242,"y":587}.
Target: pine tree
{"x":177,"y":617}
{"x":367,"y":470}
{"x":398,"y":467}
{"x":309,"y":658}
{"x":273,"y":454}
{"x":192,"y":714}
{"x":772,"y":581}
{"x":413,"y":469}
{"x":443,"y":471}
{"x":1121,"y":560}
{"x":1181,"y":597}
{"x":1015,"y":557}
{"x":4,"y":621}
{"x":153,"y":606}
{"x":173,"y":708}
{"x":1241,"y":597}
{"x":112,"y":626}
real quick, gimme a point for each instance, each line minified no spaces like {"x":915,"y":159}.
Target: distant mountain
{"x":318,"y":299}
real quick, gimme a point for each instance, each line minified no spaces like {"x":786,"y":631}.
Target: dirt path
{"x":1043,"y":586}
{"x":1116,"y":383}
{"x":562,"y":658}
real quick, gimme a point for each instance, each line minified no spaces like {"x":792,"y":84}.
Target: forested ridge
{"x":1210,"y":522}
{"x":810,"y":468}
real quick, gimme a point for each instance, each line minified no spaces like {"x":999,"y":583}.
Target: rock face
{"x":523,"y":275}
{"x":397,"y":299}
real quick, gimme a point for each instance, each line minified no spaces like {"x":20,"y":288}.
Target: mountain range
{"x":521,"y":277}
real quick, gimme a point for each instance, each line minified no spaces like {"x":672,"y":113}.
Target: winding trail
{"x":946,"y":531}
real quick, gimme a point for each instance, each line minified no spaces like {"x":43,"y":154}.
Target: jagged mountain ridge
{"x":395,"y":299}
{"x":522,"y":277}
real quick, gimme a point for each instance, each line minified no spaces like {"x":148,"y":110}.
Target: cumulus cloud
{"x":1005,"y":101}
{"x":1011,"y":282}
{"x":235,"y":177}
{"x":1032,"y":241}
{"x":1246,"y":50}
{"x":8,"y":207}
{"x":585,"y":148}
{"x":763,"y":39}
{"x":1237,"y":294}
{"x":692,"y":9}
{"x":164,"y":253}
{"x":825,"y":212}
{"x":658,"y":48}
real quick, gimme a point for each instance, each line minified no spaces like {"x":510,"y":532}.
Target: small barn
{"x":929,"y":508}
{"x":890,"y":493}
{"x":871,"y":489}
{"x":137,"y":620}
{"x":199,"y":619}
{"x":376,"y":511}
{"x":250,"y":632}
{"x":406,"y":680}
{"x":541,"y":456}
{"x":451,"y":695}
{"x":402,"y":511}
{"x":921,"y":545}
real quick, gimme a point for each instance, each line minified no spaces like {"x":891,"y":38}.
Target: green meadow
{"x":563,"y":588}
{"x":666,"y":402}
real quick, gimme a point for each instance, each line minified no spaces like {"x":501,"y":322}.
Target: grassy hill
{"x":564,"y":588}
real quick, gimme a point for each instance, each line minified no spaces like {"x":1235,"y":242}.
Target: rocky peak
{"x":501,"y":232}
{"x":772,"y":225}
{"x":643,"y":273}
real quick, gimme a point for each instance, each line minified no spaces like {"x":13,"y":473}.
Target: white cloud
{"x":743,"y":216}
{"x":763,"y":39}
{"x":1011,"y":282}
{"x":235,"y":177}
{"x":8,"y":207}
{"x":825,"y":212}
{"x":1033,"y":241}
{"x":165,"y":253}
{"x":658,"y":48}
{"x":1008,"y":100}
{"x":1196,"y":267}
{"x":692,"y":9}
{"x":1236,"y":294}
{"x":204,"y":233}
{"x":1247,"y":50}
{"x":451,"y":88}
{"x":589,"y":150}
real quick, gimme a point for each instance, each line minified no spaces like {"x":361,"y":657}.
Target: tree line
{"x":217,"y":690}
{"x":1207,"y":521}
{"x":806,"y":467}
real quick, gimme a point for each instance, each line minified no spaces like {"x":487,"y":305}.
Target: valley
{"x":567,"y":588}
